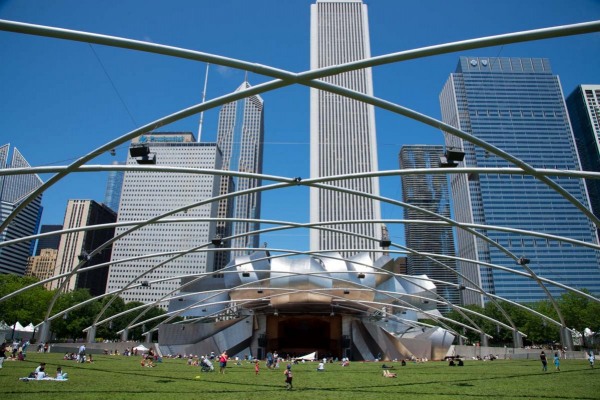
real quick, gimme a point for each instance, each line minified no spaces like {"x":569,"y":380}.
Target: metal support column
{"x":44,"y":332}
{"x":91,"y":334}
{"x":483,"y":340}
{"x":517,"y":340}
{"x":566,"y":338}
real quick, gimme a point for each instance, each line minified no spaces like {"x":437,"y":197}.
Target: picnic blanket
{"x":27,"y":379}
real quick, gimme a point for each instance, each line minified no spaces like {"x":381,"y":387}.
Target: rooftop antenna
{"x":246,"y":77}
{"x":203,"y":98}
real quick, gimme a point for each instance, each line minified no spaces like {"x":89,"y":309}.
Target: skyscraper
{"x":147,"y":195}
{"x":42,"y":265}
{"x":114,"y":182}
{"x":584,"y":110}
{"x":342,"y":133}
{"x":517,"y":105}
{"x":240,"y":137}
{"x":75,"y":246}
{"x":13,"y":190}
{"x":48,"y":242}
{"x":430,"y":192}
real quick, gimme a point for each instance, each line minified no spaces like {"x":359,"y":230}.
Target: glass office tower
{"x":342,"y":131}
{"x":584,"y":110}
{"x":13,"y":190}
{"x":517,"y":105}
{"x":432,"y":193}
{"x":240,"y":136}
{"x":114,"y":184}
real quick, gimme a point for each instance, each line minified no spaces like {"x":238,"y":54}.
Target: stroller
{"x":206,"y":365}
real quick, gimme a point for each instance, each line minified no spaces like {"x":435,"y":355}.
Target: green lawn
{"x":117,"y":377}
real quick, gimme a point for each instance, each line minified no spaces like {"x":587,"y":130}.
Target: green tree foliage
{"x":136,"y":333}
{"x":578,"y":311}
{"x":72,"y":324}
{"x":27,"y":307}
{"x":32,"y":305}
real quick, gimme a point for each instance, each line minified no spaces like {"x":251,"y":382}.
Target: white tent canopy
{"x":309,"y":357}
{"x":141,"y":347}
{"x":15,"y":331}
{"x":17,"y":326}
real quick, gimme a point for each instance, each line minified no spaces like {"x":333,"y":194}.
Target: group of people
{"x":544,"y":361}
{"x":15,"y":351}
{"x":590,"y":357}
{"x":40,"y":374}
{"x":272,"y":360}
{"x":148,"y":359}
{"x":459,"y":362}
{"x":76,"y":357}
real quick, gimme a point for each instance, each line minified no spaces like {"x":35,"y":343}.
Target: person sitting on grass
{"x":60,"y":375}
{"x":39,"y":371}
{"x":389,"y":374}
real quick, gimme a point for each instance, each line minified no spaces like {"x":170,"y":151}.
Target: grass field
{"x":117,"y":377}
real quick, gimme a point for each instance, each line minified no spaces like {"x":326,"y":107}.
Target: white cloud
{"x":225,"y":72}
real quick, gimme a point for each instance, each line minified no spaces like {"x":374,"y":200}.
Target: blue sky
{"x":59,"y":99}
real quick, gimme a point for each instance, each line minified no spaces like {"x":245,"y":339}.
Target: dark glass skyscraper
{"x":517,"y":105}
{"x":584,"y":110}
{"x":84,"y":213}
{"x":48,"y":242}
{"x":432,"y":193}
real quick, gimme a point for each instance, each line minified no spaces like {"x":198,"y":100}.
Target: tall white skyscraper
{"x":240,"y":137}
{"x":342,"y":131}
{"x":146,"y":195}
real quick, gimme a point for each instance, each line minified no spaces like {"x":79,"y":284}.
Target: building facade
{"x":74,"y":247}
{"x":13,"y":190}
{"x":147,"y":195}
{"x":432,"y":193}
{"x":517,"y":105}
{"x":584,"y":111}
{"x":42,"y":265}
{"x":240,"y":136}
{"x":342,"y":131}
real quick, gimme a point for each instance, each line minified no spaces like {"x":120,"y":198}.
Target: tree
{"x":580,"y":312}
{"x":27,"y":307}
{"x":109,"y":330}
{"x":72,"y":324}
